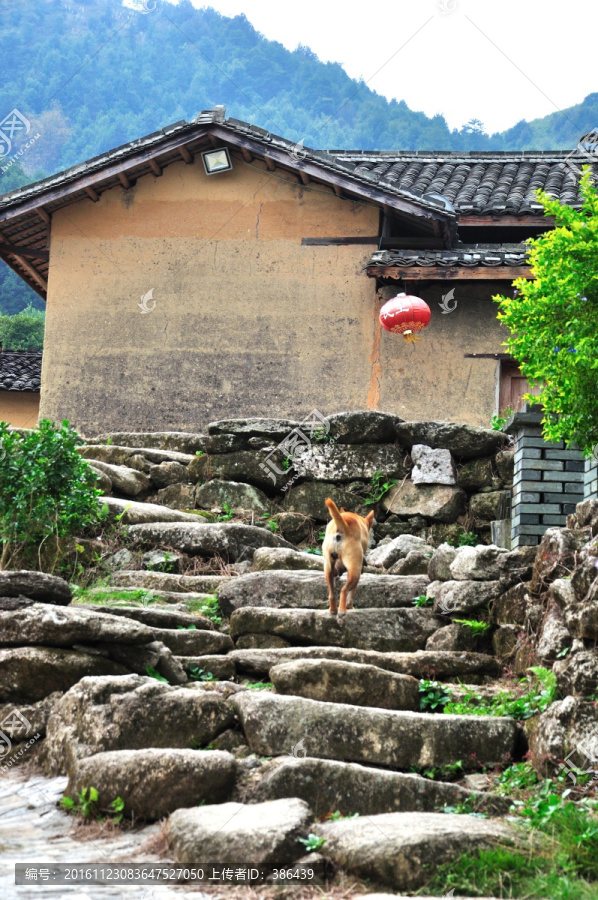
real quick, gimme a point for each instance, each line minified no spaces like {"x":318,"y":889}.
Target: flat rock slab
{"x":389,"y":552}
{"x":233,"y":542}
{"x":331,"y":462}
{"x":233,"y":833}
{"x":28,"y":674}
{"x":363,"y":427}
{"x":402,"y":850}
{"x":154,"y":782}
{"x":133,"y":512}
{"x":329,"y":785}
{"x":130,"y":713}
{"x":221,"y":667}
{"x":456,"y":597}
{"x":180,"y":441}
{"x":156,"y":617}
{"x":118,"y":455}
{"x":35,"y":585}
{"x":275,"y":724}
{"x":54,"y":626}
{"x":386,"y":630}
{"x":150,"y":596}
{"x":438,"y":502}
{"x":337,"y":681}
{"x":442,"y":665}
{"x":124,"y":480}
{"x":308,"y":590}
{"x":464,"y":441}
{"x":266,"y":558}
{"x":215,"y":494}
{"x":193,"y":642}
{"x":165,"y":581}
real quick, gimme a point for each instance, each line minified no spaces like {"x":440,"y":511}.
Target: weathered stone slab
{"x":130,"y":713}
{"x":457,"y":597}
{"x":231,"y":541}
{"x":236,"y":495}
{"x":191,"y":642}
{"x":369,"y":629}
{"x":28,"y":674}
{"x":308,"y":499}
{"x":580,"y":616}
{"x":331,"y":462}
{"x":308,"y":590}
{"x":221,"y":667}
{"x":266,"y":833}
{"x":165,"y":581}
{"x":444,"y":666}
{"x":491,"y":505}
{"x":389,"y":552}
{"x":35,"y":585}
{"x":181,"y":441}
{"x":54,"y":626}
{"x":156,"y":617}
{"x":275,"y":724}
{"x":271,"y":429}
{"x":440,"y":503}
{"x":329,"y":785}
{"x":452,"y":637}
{"x":154,"y":782}
{"x":363,"y":427}
{"x":134,"y":513}
{"x":477,"y":563}
{"x":337,"y":681}
{"x":36,"y":717}
{"x":432,"y":466}
{"x":266,"y":558}
{"x":464,"y":441}
{"x":124,"y":480}
{"x":118,"y":455}
{"x":402,"y":850}
{"x":439,"y":568}
{"x":565,"y":734}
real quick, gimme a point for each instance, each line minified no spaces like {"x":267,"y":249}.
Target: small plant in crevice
{"x":197,"y":674}
{"x":379,"y":487}
{"x":477,"y":628}
{"x":338,"y":816}
{"x":312,"y":842}
{"x":422,"y":600}
{"x":260,"y":685}
{"x":433,"y":696}
{"x":153,"y":673}
{"x":227,"y":513}
{"x":468,"y":539}
{"x":85,"y":804}
{"x":208,"y":607}
{"x":536,"y":692}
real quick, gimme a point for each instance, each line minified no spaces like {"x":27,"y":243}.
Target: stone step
{"x":165,"y":581}
{"x":152,"y":596}
{"x":155,"y":617}
{"x":278,"y":725}
{"x":308,"y":590}
{"x":117,"y":455}
{"x":439,"y":664}
{"x":329,"y":786}
{"x":403,"y":849}
{"x":338,"y":681}
{"x":28,"y":674}
{"x":133,"y":512}
{"x":231,"y":541}
{"x":180,"y":441}
{"x":386,"y":630}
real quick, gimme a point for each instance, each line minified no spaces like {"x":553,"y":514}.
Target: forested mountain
{"x":92,"y":74}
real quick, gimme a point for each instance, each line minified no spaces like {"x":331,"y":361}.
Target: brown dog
{"x":345,"y":542}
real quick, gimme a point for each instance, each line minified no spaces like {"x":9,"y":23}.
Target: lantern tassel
{"x":410,"y":337}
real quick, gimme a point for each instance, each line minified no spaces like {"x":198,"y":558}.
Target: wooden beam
{"x":124,"y":180}
{"x":43,"y":214}
{"x":327,"y":241}
{"x":155,"y":168}
{"x":246,"y":154}
{"x":92,"y":194}
{"x":24,"y":251}
{"x":304,"y":177}
{"x":507,"y":221}
{"x":27,"y":278}
{"x":338,"y":191}
{"x":214,"y":141}
{"x":33,"y":273}
{"x":408,"y":243}
{"x":450,"y":273}
{"x":270,"y":164}
{"x":186,"y":155}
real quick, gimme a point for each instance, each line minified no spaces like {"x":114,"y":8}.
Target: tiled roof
{"x":20,"y":370}
{"x":492,"y":183}
{"x":467,"y":255}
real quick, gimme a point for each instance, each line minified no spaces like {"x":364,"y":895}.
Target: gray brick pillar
{"x":548,"y":482}
{"x":590,"y":480}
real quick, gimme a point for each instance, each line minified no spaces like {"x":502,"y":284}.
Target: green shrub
{"x":433,"y":695}
{"x":47,"y":493}
{"x":23,"y":331}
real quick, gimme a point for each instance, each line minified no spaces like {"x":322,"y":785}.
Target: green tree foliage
{"x":553,"y":320}
{"x":47,"y":493}
{"x":23,"y":331}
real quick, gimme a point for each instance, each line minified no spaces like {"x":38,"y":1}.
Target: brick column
{"x":548,"y":481}
{"x":590,"y":481}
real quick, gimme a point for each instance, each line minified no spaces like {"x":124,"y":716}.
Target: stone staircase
{"x":335,"y":724}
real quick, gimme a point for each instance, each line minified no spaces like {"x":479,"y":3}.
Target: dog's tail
{"x":335,"y":513}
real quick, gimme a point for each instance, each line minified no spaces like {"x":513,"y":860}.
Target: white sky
{"x":495,"y":60}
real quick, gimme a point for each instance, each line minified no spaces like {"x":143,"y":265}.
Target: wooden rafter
{"x":92,"y":194}
{"x":507,"y":221}
{"x":155,"y":168}
{"x":28,"y":251}
{"x":124,"y":180}
{"x":270,"y":164}
{"x":43,"y":214}
{"x":304,"y":177}
{"x":188,"y":157}
{"x":246,"y":154}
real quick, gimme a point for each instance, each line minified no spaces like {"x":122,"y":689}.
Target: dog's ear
{"x":370,"y":519}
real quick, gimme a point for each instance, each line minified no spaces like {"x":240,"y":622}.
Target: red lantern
{"x":405,"y":315}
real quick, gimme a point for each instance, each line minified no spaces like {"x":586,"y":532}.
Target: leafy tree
{"x":553,"y":319}
{"x":47,"y":493}
{"x":23,"y":331}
